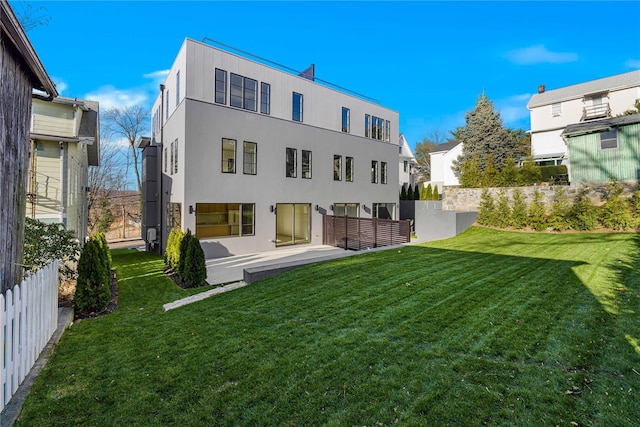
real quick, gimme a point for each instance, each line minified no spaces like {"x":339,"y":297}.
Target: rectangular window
{"x":346,"y":209}
{"x":250,"y":101}
{"x":228,"y":155}
{"x":556,"y":109}
{"x":346,"y":127}
{"x":293,"y":223}
{"x":171,"y":165}
{"x":406,"y":165}
{"x":374,"y":171}
{"x":387,"y":131}
{"x":609,"y":139}
{"x":383,"y":172}
{"x":173,"y":215}
{"x":367,"y":125}
{"x":235,"y":98}
{"x":265,"y":98}
{"x":291,"y":163}
{"x":337,"y":168}
{"x":175,"y":159}
{"x":221,"y":86}
{"x":224,"y":219}
{"x":306,"y":164}
{"x":250,"y":158}
{"x":348,"y":169}
{"x":177,"y":88}
{"x":167,"y":107}
{"x":384,"y":210}
{"x":297,"y":107}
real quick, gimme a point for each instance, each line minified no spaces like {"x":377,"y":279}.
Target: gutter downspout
{"x":63,"y":185}
{"x":160,"y":154}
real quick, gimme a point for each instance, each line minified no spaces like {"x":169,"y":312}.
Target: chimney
{"x":541,"y":89}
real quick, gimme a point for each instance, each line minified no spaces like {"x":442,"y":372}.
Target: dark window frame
{"x":249,"y":166}
{"x":346,"y":120}
{"x":608,"y":139}
{"x":291,"y":162}
{"x":265,"y":105}
{"x":230,"y":167}
{"x":220,"y":86}
{"x":349,"y":169}
{"x":337,"y":167}
{"x":307,"y":164}
{"x":297,"y":114}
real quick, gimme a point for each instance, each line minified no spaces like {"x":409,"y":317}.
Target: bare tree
{"x":105,"y":181}
{"x":423,"y":149}
{"x":128,"y":123}
{"x":30,"y":16}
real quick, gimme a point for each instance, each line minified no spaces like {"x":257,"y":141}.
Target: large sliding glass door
{"x":293,"y":223}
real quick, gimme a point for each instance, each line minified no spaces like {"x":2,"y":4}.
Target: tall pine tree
{"x":485,"y":138}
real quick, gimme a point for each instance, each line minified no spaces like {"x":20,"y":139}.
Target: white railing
{"x":28,"y":319}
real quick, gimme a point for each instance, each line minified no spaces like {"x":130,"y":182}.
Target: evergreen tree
{"x":508,"y":177}
{"x":184,"y":245}
{"x":410,"y":193}
{"x":491,"y":174}
{"x":518,"y":210}
{"x":429,"y":193}
{"x":616,"y":212}
{"x":195,"y":270}
{"x":559,"y":217}
{"x":93,"y":288}
{"x":435,"y":196}
{"x":403,"y":192}
{"x":583,"y":215}
{"x":503,"y":210}
{"x":487,"y":209}
{"x":416,"y":192}
{"x":484,"y":135}
{"x":537,"y":213}
{"x":471,"y":174}
{"x":529,"y":173}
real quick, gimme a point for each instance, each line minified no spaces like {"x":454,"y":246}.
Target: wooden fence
{"x":361,"y":233}
{"x":28,"y":319}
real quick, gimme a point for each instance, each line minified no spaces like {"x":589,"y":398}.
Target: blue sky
{"x":428,"y":60}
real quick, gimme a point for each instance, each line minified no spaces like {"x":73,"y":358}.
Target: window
{"x":177,"y":88}
{"x":224,"y":219}
{"x":374,"y":171}
{"x":367,"y":125}
{"x":221,"y":86}
{"x":250,"y":158}
{"x":346,"y":209}
{"x":384,"y":210}
{"x":174,"y":215}
{"x":337,"y":168}
{"x":406,"y":166}
{"x":609,"y":139}
{"x":175,"y":157}
{"x":244,"y":92}
{"x":228,"y":155}
{"x":387,"y":131}
{"x":293,"y":223}
{"x":556,"y":109}
{"x":265,"y":98}
{"x":292,"y":163}
{"x":383,"y":172}
{"x":346,"y":127}
{"x":297,"y":107}
{"x":348,"y":169}
{"x":306,"y":164}
{"x":167,"y":106}
{"x":171,"y":165}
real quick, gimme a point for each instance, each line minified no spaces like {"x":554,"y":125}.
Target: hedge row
{"x":617,"y":213}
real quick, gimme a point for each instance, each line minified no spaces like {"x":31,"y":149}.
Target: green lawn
{"x":488,"y":328}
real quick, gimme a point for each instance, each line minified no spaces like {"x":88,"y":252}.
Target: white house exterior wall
{"x":199,"y":124}
{"x":441,"y":164}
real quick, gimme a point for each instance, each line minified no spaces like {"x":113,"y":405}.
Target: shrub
{"x":101,"y":239}
{"x":403,"y":192}
{"x":554,"y":174}
{"x":183,"y":245}
{"x":106,"y":217}
{"x":509,"y":176}
{"x":93,"y":290}
{"x":490,"y":174}
{"x":616,"y":212}
{"x":583,"y":215}
{"x":435,"y":195}
{"x":416,"y":192}
{"x":634,"y":201}
{"x":503,"y":210}
{"x":429,"y":192}
{"x":471,"y":174}
{"x":45,"y":242}
{"x":559,"y":217}
{"x":537,"y":213}
{"x":195,"y":270}
{"x":172,"y":251}
{"x":410,"y":193}
{"x":518,"y":210}
{"x":487,"y":209}
{"x":529,"y":173}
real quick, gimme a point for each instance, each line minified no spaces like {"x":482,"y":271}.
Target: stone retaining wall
{"x":468,"y":199}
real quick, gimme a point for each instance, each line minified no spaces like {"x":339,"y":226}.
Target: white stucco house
{"x":551,"y":111}
{"x":250,"y":156}
{"x":442,"y":157}
{"x":407,"y":166}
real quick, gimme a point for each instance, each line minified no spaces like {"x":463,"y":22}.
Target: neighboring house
{"x":65,"y":143}
{"x":20,"y":73}
{"x":407,"y":163}
{"x":606,"y":149}
{"x":442,"y":158}
{"x":551,"y":111}
{"x":251,"y":156}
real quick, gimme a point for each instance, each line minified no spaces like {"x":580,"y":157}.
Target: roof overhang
{"x":14,"y":35}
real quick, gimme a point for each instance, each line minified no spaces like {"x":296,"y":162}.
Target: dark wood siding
{"x":15,"y":116}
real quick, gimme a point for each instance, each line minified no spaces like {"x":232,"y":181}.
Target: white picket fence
{"x":28,"y":319}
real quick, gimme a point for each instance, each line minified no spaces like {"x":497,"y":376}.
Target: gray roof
{"x":447,"y":146}
{"x":598,"y":125}
{"x":617,"y":82}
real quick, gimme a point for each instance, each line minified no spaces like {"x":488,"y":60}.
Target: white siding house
{"x":407,"y":165}
{"x":552,"y":110}
{"x":442,"y":157}
{"x":251,"y":156}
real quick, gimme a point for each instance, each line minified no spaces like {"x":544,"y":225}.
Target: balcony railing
{"x":596,"y":112}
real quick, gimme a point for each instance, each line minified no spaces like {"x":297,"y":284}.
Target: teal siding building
{"x":604,"y":150}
